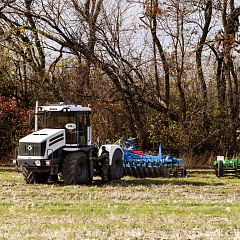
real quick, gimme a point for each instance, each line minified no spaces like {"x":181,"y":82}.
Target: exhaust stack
{"x":36,"y":116}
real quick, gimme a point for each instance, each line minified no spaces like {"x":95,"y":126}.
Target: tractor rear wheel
{"x":35,"y":177}
{"x":75,"y":169}
{"x":116,"y":169}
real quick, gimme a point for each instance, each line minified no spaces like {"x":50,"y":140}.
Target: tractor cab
{"x":74,"y":119}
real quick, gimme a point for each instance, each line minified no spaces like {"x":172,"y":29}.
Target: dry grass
{"x":196,"y":207}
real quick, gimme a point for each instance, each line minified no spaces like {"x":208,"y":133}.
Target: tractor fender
{"x":111,"y":148}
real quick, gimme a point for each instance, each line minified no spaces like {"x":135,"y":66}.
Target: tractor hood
{"x":42,"y":135}
{"x":40,"y":144}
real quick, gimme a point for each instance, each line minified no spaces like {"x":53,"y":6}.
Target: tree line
{"x":162,"y":72}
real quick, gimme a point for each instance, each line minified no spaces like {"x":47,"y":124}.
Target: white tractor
{"x":63,"y":145}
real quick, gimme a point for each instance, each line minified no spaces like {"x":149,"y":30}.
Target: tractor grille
{"x":32,"y":149}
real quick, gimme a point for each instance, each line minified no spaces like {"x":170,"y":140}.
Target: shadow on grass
{"x":159,"y":181}
{"x":191,"y":179}
{"x":131,"y":181}
{"x":194,"y":180}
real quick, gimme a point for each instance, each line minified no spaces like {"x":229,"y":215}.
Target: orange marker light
{"x":89,"y":105}
{"x":48,"y":163}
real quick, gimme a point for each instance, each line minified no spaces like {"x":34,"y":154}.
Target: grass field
{"x":197,"y":207}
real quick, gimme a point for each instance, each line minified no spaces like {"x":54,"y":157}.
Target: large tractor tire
{"x":75,"y":169}
{"x":116,"y":169}
{"x":35,"y":177}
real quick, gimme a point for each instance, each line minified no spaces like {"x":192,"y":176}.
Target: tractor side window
{"x":78,"y":135}
{"x":82,"y":129}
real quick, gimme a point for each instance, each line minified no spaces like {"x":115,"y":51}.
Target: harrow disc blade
{"x":161,"y":173}
{"x":128,"y":171}
{"x":145,"y":172}
{"x":166,"y":173}
{"x":134,"y":172}
{"x":156,"y":172}
{"x":139,"y":171}
{"x":150,"y":172}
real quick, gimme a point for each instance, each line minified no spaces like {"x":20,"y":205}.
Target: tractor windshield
{"x":59,"y":120}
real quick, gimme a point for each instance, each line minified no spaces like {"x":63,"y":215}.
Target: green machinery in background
{"x":225,"y":166}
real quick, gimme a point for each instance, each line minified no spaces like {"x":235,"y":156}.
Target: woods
{"x":163,"y":72}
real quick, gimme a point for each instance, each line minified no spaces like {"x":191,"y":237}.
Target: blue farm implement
{"x":140,"y":165}
{"x":224,"y":166}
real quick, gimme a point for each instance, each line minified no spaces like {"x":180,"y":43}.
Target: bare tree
{"x":26,"y":48}
{"x":230,"y":15}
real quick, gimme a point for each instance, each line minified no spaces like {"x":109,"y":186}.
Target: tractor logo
{"x":29,"y":147}
{"x":70,"y":126}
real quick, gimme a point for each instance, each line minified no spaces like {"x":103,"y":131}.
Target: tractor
{"x":225,"y":166}
{"x":63,"y":147}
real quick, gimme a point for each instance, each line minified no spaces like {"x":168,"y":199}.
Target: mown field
{"x":197,"y":207}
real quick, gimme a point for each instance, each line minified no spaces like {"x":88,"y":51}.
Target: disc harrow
{"x":139,"y":165}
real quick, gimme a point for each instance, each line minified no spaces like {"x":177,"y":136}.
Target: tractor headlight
{"x":38,"y":163}
{"x":14,"y":161}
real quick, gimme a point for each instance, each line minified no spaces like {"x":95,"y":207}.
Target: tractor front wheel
{"x":75,"y":169}
{"x":35,"y":177}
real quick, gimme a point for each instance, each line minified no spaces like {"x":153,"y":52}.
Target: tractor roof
{"x":64,"y":107}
